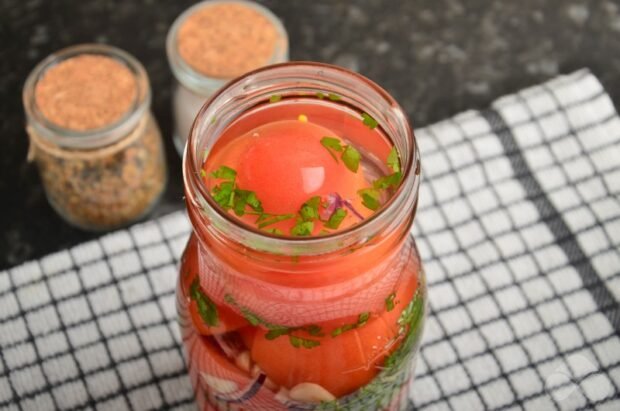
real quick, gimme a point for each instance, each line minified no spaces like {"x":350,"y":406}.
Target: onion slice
{"x":334,"y":202}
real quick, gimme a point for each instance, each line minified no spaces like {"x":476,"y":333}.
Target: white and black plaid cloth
{"x":519,"y":231}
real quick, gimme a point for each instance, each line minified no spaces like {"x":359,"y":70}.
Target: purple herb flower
{"x":334,"y":202}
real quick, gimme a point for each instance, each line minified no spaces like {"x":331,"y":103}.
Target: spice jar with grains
{"x":213,"y":42}
{"x":92,"y":135}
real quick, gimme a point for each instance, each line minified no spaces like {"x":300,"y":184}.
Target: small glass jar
{"x":103,"y":178}
{"x":331,"y":322}
{"x":193,"y":88}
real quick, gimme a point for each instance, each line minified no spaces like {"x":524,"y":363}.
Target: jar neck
{"x":198,"y":82}
{"x":289,"y":80}
{"x":96,"y":138}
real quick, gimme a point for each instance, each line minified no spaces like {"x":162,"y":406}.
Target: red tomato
{"x":339,"y":364}
{"x":286,"y":165}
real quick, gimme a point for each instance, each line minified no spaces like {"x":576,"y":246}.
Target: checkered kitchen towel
{"x":519,"y":230}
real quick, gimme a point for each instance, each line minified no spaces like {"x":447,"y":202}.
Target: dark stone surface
{"x":437,"y":57}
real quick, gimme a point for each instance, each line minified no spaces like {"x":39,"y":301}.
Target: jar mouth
{"x":97,"y":137}
{"x":391,"y":119}
{"x":204,"y":84}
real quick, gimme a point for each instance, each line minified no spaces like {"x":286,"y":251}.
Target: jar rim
{"x":97,"y":137}
{"x":399,"y":206}
{"x":204,"y":84}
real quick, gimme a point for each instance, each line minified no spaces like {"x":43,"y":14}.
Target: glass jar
{"x":192,"y":88}
{"x":331,"y":322}
{"x":103,"y":178}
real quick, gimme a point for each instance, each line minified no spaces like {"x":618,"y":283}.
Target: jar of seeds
{"x":213,"y":42}
{"x":92,"y":135}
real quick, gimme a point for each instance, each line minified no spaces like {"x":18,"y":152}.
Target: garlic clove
{"x":310,"y":392}
{"x":243,"y":361}
{"x":219,"y":385}
{"x":283,"y":395}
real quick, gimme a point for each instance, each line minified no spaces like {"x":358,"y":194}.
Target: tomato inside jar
{"x":301,"y":287}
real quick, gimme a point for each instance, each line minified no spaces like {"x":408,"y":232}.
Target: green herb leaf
{"x":393,"y":160}
{"x":332,"y":143}
{"x":295,"y":341}
{"x":206,"y":308}
{"x":351,"y":158}
{"x":262,"y":217}
{"x":245,"y":198}
{"x":320,"y":95}
{"x":302,"y":228}
{"x":277,"y":332}
{"x":336,"y":332}
{"x":369,"y":121}
{"x":253,"y":201}
{"x":239,"y":205}
{"x":269,"y":219}
{"x":275,"y":98}
{"x":336,"y":218}
{"x":370,"y":198}
{"x":251,"y":317}
{"x":361,"y":320}
{"x":299,"y":342}
{"x":224,"y":193}
{"x":391,"y":180}
{"x":310,"y":209}
{"x":274,"y":231}
{"x":314,"y":330}
{"x":333,"y":97}
{"x":308,"y":343}
{"x":225,"y":173}
{"x":389,"y":302}
{"x":203,"y":173}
